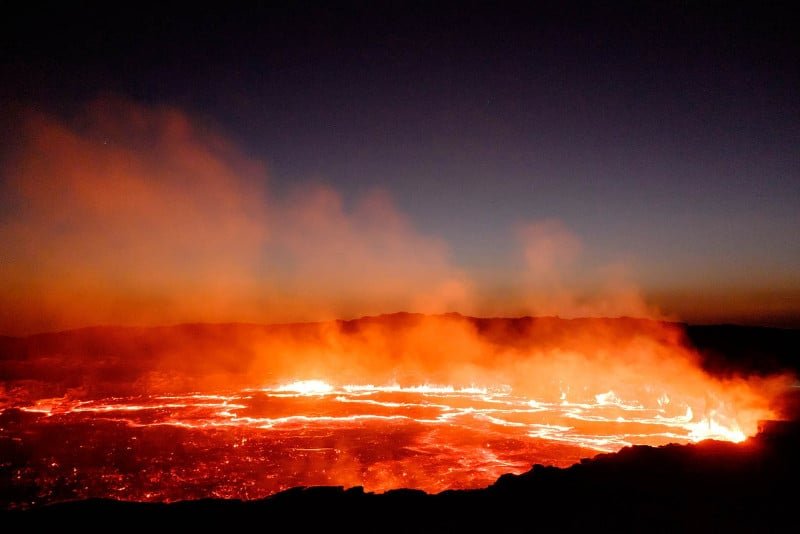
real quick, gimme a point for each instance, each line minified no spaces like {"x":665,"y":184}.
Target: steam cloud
{"x":136,"y":215}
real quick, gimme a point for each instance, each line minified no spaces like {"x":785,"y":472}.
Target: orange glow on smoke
{"x":430,"y":402}
{"x":141,"y":216}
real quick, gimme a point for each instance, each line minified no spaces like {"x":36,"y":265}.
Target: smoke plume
{"x":137,"y":215}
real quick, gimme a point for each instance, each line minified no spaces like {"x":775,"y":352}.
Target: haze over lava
{"x":430,"y":402}
{"x":129,"y":215}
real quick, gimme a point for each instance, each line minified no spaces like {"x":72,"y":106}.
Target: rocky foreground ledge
{"x":710,"y":486}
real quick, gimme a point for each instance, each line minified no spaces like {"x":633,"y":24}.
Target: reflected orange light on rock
{"x":429,"y":402}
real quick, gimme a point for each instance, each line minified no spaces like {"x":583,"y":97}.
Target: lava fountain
{"x":428,"y":402}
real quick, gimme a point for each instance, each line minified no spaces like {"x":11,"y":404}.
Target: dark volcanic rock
{"x":710,"y":486}
{"x":729,"y":349}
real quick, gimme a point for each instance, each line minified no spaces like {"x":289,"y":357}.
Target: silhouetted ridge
{"x":710,"y":486}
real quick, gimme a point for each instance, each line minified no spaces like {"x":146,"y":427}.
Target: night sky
{"x":552,"y":157}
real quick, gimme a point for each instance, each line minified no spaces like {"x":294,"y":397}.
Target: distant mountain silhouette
{"x":757,"y":349}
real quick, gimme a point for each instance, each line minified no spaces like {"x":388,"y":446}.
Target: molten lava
{"x":256,"y":442}
{"x":542,"y":401}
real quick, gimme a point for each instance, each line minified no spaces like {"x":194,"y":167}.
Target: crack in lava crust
{"x":255,"y":442}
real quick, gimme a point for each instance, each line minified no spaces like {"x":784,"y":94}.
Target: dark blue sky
{"x":664,"y":137}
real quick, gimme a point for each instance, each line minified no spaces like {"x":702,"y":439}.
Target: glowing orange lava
{"x":255,"y":442}
{"x":441,"y":403}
